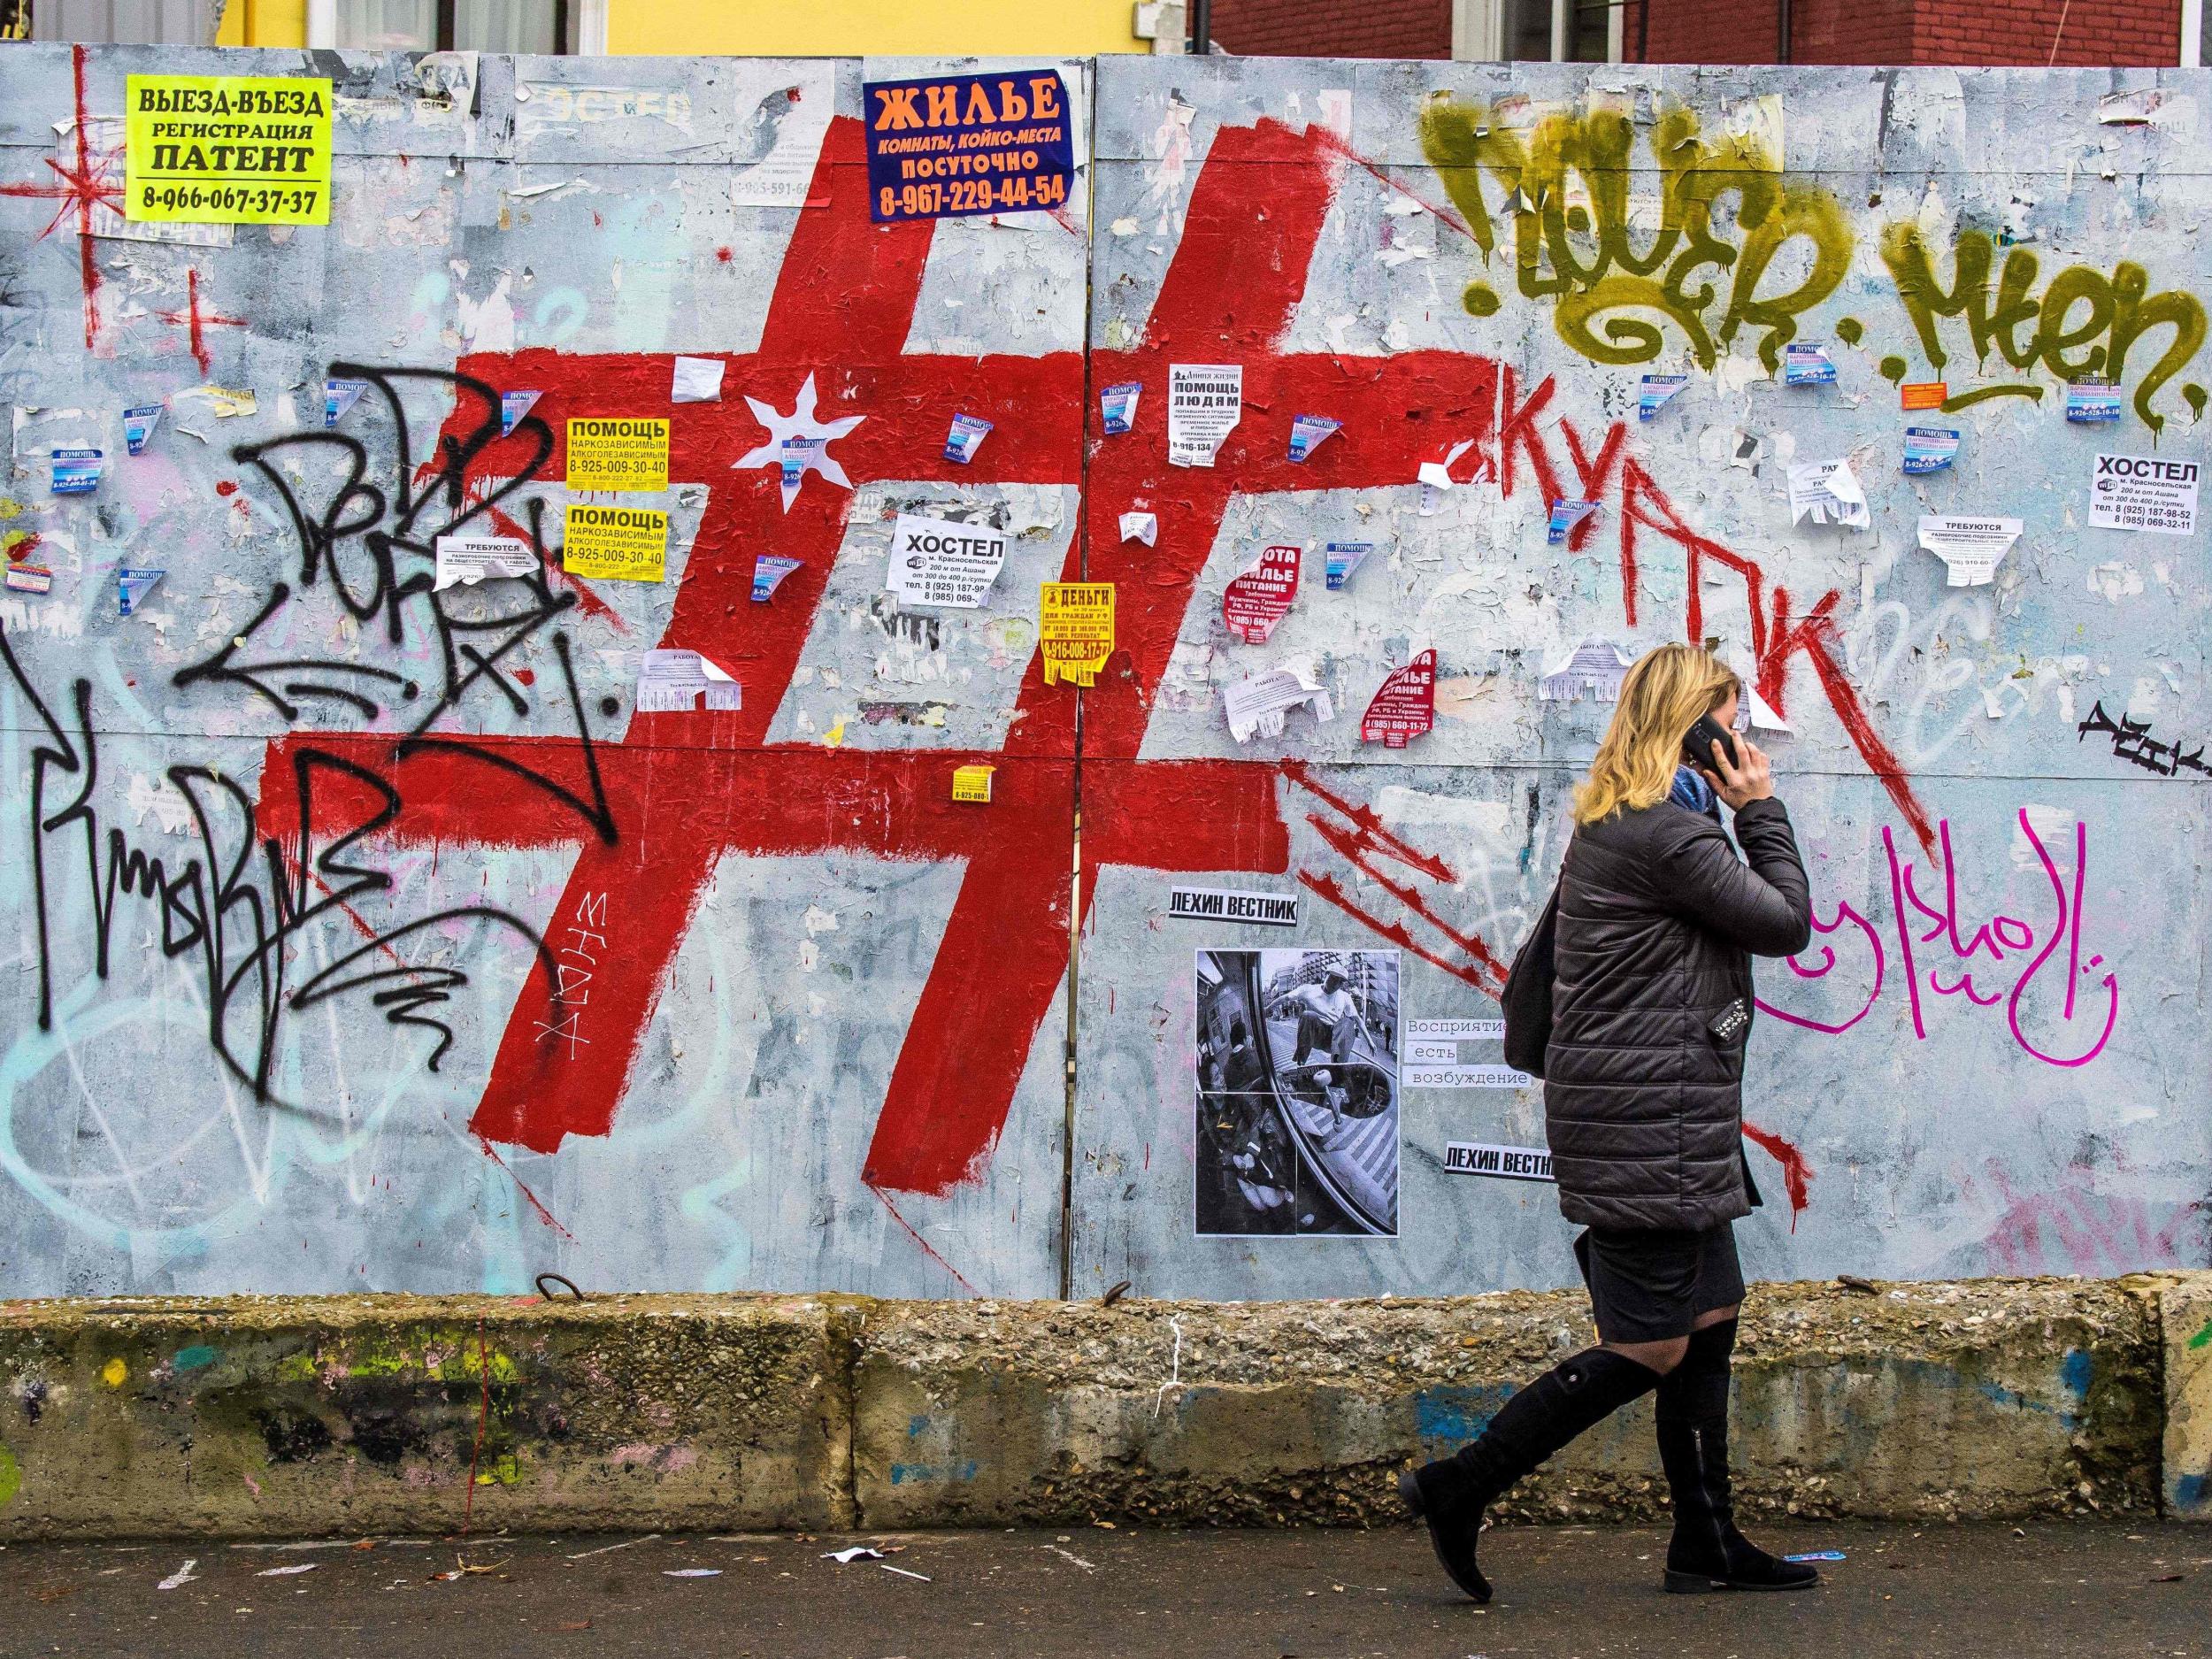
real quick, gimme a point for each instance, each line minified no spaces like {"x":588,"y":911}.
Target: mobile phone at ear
{"x":1698,"y":745}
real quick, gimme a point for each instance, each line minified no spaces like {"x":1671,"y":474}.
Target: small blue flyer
{"x":338,"y":397}
{"x":1307,"y":432}
{"x":132,"y":586}
{"x":77,"y":472}
{"x":1930,"y":449}
{"x":1119,"y":406}
{"x":512,"y":407}
{"x":966,"y":436}
{"x":1658,"y":390}
{"x":138,"y":426}
{"x":1344,"y":558}
{"x":2092,"y":400}
{"x":1805,"y":363}
{"x":768,"y":571}
{"x":1564,"y":516}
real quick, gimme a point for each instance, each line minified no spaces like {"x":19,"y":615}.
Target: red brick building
{"x":2076,"y":33}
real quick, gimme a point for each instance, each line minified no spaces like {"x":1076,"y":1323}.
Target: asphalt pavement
{"x":1928,"y":1592}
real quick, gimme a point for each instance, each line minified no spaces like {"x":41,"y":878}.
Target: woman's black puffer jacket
{"x":1643,"y":1105}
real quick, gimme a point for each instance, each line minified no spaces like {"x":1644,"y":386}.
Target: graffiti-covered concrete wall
{"x":366,"y":933}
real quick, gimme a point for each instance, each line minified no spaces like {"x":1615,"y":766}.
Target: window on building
{"x":1538,"y":31}
{"x":545,"y":26}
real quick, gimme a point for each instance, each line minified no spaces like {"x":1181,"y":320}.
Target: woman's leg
{"x":1707,"y":1551}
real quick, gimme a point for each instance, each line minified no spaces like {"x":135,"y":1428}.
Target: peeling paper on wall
{"x":784,"y":111}
{"x":670,"y":682}
{"x":1258,"y":706}
{"x":1827,"y":492}
{"x":470,"y":559}
{"x":1970,"y":549}
{"x":1260,"y":595}
{"x":1593,"y":668}
{"x":696,"y":380}
{"x":1405,"y":706}
{"x":1140,"y":526}
{"x":1204,"y":402}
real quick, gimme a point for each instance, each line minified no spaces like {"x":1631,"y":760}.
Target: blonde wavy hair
{"x":1661,"y":697}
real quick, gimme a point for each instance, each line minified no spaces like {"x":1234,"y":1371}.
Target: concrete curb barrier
{"x":262,"y":1417}
{"x":2185,"y":1318}
{"x":314,"y":1415}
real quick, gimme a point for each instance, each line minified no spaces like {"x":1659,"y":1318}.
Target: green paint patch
{"x":1480,"y":299}
{"x":1893,"y":369}
{"x":10,"y":1475}
{"x":1983,"y":393}
{"x":2194,"y":396}
{"x":1850,"y":330}
{"x":199,"y":1357}
{"x":2203,"y":1339}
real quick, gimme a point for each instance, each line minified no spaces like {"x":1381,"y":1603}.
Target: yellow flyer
{"x":972,"y":783}
{"x":1076,"y":627}
{"x":623,"y":544}
{"x":226,"y":150}
{"x":617,"y":454}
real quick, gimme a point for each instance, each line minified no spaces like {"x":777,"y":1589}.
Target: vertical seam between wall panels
{"x":1075,"y":780}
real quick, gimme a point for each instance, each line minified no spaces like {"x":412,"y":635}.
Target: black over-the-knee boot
{"x":1451,"y":1493}
{"x":1707,"y":1552}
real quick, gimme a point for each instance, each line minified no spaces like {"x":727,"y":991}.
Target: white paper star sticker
{"x":797,"y":442}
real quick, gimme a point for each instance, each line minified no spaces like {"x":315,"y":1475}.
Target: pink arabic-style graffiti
{"x":2007,"y":942}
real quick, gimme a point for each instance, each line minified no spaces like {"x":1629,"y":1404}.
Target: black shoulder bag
{"x":1527,"y":998}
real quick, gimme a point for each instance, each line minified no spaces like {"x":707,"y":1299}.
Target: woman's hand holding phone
{"x":1750,"y":778}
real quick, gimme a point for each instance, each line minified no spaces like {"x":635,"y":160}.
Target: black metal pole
{"x":1781,"y":31}
{"x":1201,"y":26}
{"x":1643,"y":32}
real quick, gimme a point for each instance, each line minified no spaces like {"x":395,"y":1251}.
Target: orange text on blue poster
{"x":963,"y":144}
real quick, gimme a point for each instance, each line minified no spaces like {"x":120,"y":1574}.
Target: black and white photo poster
{"x":1297,"y":1094}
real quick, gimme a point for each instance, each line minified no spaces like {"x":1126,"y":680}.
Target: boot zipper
{"x":1705,"y":1490}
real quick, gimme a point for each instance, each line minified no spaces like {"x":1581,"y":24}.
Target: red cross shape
{"x":688,"y":790}
{"x":78,"y":187}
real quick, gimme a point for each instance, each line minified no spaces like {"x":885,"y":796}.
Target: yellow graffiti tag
{"x":2062,"y":330}
{"x":1566,"y":186}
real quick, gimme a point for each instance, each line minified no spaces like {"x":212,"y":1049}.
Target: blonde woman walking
{"x":1649,"y":1013}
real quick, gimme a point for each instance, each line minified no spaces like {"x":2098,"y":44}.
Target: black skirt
{"x":1649,"y":1285}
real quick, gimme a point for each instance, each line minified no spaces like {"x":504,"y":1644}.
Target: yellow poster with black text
{"x":624,"y":544}
{"x":226,"y":150}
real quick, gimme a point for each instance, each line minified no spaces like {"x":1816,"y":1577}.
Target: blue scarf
{"x":1693,"y":792}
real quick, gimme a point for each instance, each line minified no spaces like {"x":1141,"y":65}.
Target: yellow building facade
{"x":771,"y":28}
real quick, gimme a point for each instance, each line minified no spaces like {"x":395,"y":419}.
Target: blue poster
{"x":957,"y":145}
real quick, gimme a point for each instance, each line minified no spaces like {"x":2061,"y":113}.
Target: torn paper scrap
{"x":1565,"y":515}
{"x":668,"y":682}
{"x":795,"y":454}
{"x":133,"y":586}
{"x":696,"y":380}
{"x":1657,"y":391}
{"x":966,"y":436}
{"x":1930,"y":449}
{"x":1806,"y":363}
{"x":1307,"y":431}
{"x":25,"y":578}
{"x":338,"y":396}
{"x":1970,"y":548}
{"x":138,"y":426}
{"x":846,"y":1557}
{"x":2142,"y":492}
{"x":627,"y":544}
{"x":513,"y":406}
{"x":226,"y":402}
{"x":470,"y":559}
{"x":77,"y":472}
{"x":1593,"y":669}
{"x":1405,"y":707}
{"x":1261,"y":596}
{"x":1921,"y":394}
{"x":2093,"y":400}
{"x":1345,"y":558}
{"x":1140,"y":526}
{"x":1436,"y":477}
{"x":1075,"y":630}
{"x":936,"y":563}
{"x":1117,"y":407}
{"x":972,"y":783}
{"x":784,"y":112}
{"x":1204,"y":402}
{"x":1827,"y":492}
{"x":1258,"y":706}
{"x":769,"y":570}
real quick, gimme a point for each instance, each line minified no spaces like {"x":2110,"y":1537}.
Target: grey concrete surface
{"x":1573,"y":1592}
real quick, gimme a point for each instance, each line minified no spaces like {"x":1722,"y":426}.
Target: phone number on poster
{"x":974,"y":195}
{"x":229,"y":198}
